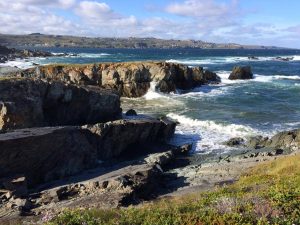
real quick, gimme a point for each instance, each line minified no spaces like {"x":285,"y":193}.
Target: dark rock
{"x":31,"y":103}
{"x":279,"y":151}
{"x":252,"y":58}
{"x":285,"y":59}
{"x":45,"y":154}
{"x":17,"y":186}
{"x":131,"y":112}
{"x":241,"y":73}
{"x":115,"y":137}
{"x":50,"y":153}
{"x":235,"y":142}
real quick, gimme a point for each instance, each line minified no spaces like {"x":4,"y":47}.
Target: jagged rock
{"x":31,"y":103}
{"x":131,"y":112}
{"x":285,"y":140}
{"x":241,"y":73}
{"x":129,"y":79}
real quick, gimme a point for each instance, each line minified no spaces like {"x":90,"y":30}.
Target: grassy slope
{"x":267,"y":194}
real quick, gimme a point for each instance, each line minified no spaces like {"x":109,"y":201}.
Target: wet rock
{"x":235,"y":142}
{"x":241,"y":73}
{"x":129,"y":79}
{"x":131,"y":112}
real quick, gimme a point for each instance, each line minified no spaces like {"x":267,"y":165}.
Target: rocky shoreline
{"x":65,"y":143}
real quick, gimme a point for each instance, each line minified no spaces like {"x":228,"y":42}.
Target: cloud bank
{"x":209,"y":20}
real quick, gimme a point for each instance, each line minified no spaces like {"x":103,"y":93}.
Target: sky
{"x":258,"y":22}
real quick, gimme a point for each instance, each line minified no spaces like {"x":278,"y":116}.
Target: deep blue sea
{"x":211,"y":114}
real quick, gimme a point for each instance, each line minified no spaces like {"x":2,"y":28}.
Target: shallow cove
{"x":212,"y":114}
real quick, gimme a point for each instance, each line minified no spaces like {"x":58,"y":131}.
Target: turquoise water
{"x":211,"y":114}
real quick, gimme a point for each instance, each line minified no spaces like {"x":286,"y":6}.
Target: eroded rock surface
{"x":31,"y":103}
{"x":129,"y":79}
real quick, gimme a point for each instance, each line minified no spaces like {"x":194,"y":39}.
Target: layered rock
{"x":49,"y":153}
{"x":241,"y":73}
{"x":129,"y":79}
{"x":30,"y":103}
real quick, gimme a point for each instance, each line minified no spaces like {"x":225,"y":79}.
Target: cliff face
{"x":31,"y":103}
{"x":129,"y":79}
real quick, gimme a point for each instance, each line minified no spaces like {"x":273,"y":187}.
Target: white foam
{"x":93,"y":55}
{"x":296,"y":58}
{"x":19,"y":63}
{"x":154,"y":94}
{"x":284,"y":77}
{"x":206,"y":134}
{"x":224,"y":75}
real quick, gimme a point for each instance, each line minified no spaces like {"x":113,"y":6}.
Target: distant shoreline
{"x":46,"y":41}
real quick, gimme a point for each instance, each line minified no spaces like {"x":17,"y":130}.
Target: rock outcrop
{"x":33,"y":103}
{"x":241,"y":73}
{"x":129,"y":79}
{"x":286,"y":140}
{"x":50,"y":153}
{"x":7,"y":54}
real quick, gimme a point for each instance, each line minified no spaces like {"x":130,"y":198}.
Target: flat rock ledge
{"x":130,"y":79}
{"x":51,"y":153}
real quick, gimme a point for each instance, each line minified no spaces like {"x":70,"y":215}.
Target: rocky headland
{"x":129,"y":79}
{"x":8,"y":54}
{"x":65,"y":143}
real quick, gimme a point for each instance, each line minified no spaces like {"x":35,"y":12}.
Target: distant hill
{"x":40,"y":40}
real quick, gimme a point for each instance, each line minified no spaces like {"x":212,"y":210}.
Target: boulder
{"x":131,"y":112}
{"x":241,"y":73}
{"x":235,"y":142}
{"x":33,"y":103}
{"x":285,"y":140}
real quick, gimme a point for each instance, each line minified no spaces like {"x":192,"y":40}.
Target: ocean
{"x":211,"y":114}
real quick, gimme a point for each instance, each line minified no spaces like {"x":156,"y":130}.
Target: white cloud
{"x":202,"y":9}
{"x":53,"y":3}
{"x":100,"y":13}
{"x":24,"y":18}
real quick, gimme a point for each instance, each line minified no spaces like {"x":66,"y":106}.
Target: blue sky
{"x":259,"y":22}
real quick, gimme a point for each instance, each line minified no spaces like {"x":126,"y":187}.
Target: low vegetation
{"x":267,"y":194}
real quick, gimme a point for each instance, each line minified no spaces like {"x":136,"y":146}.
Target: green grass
{"x":267,"y":194}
